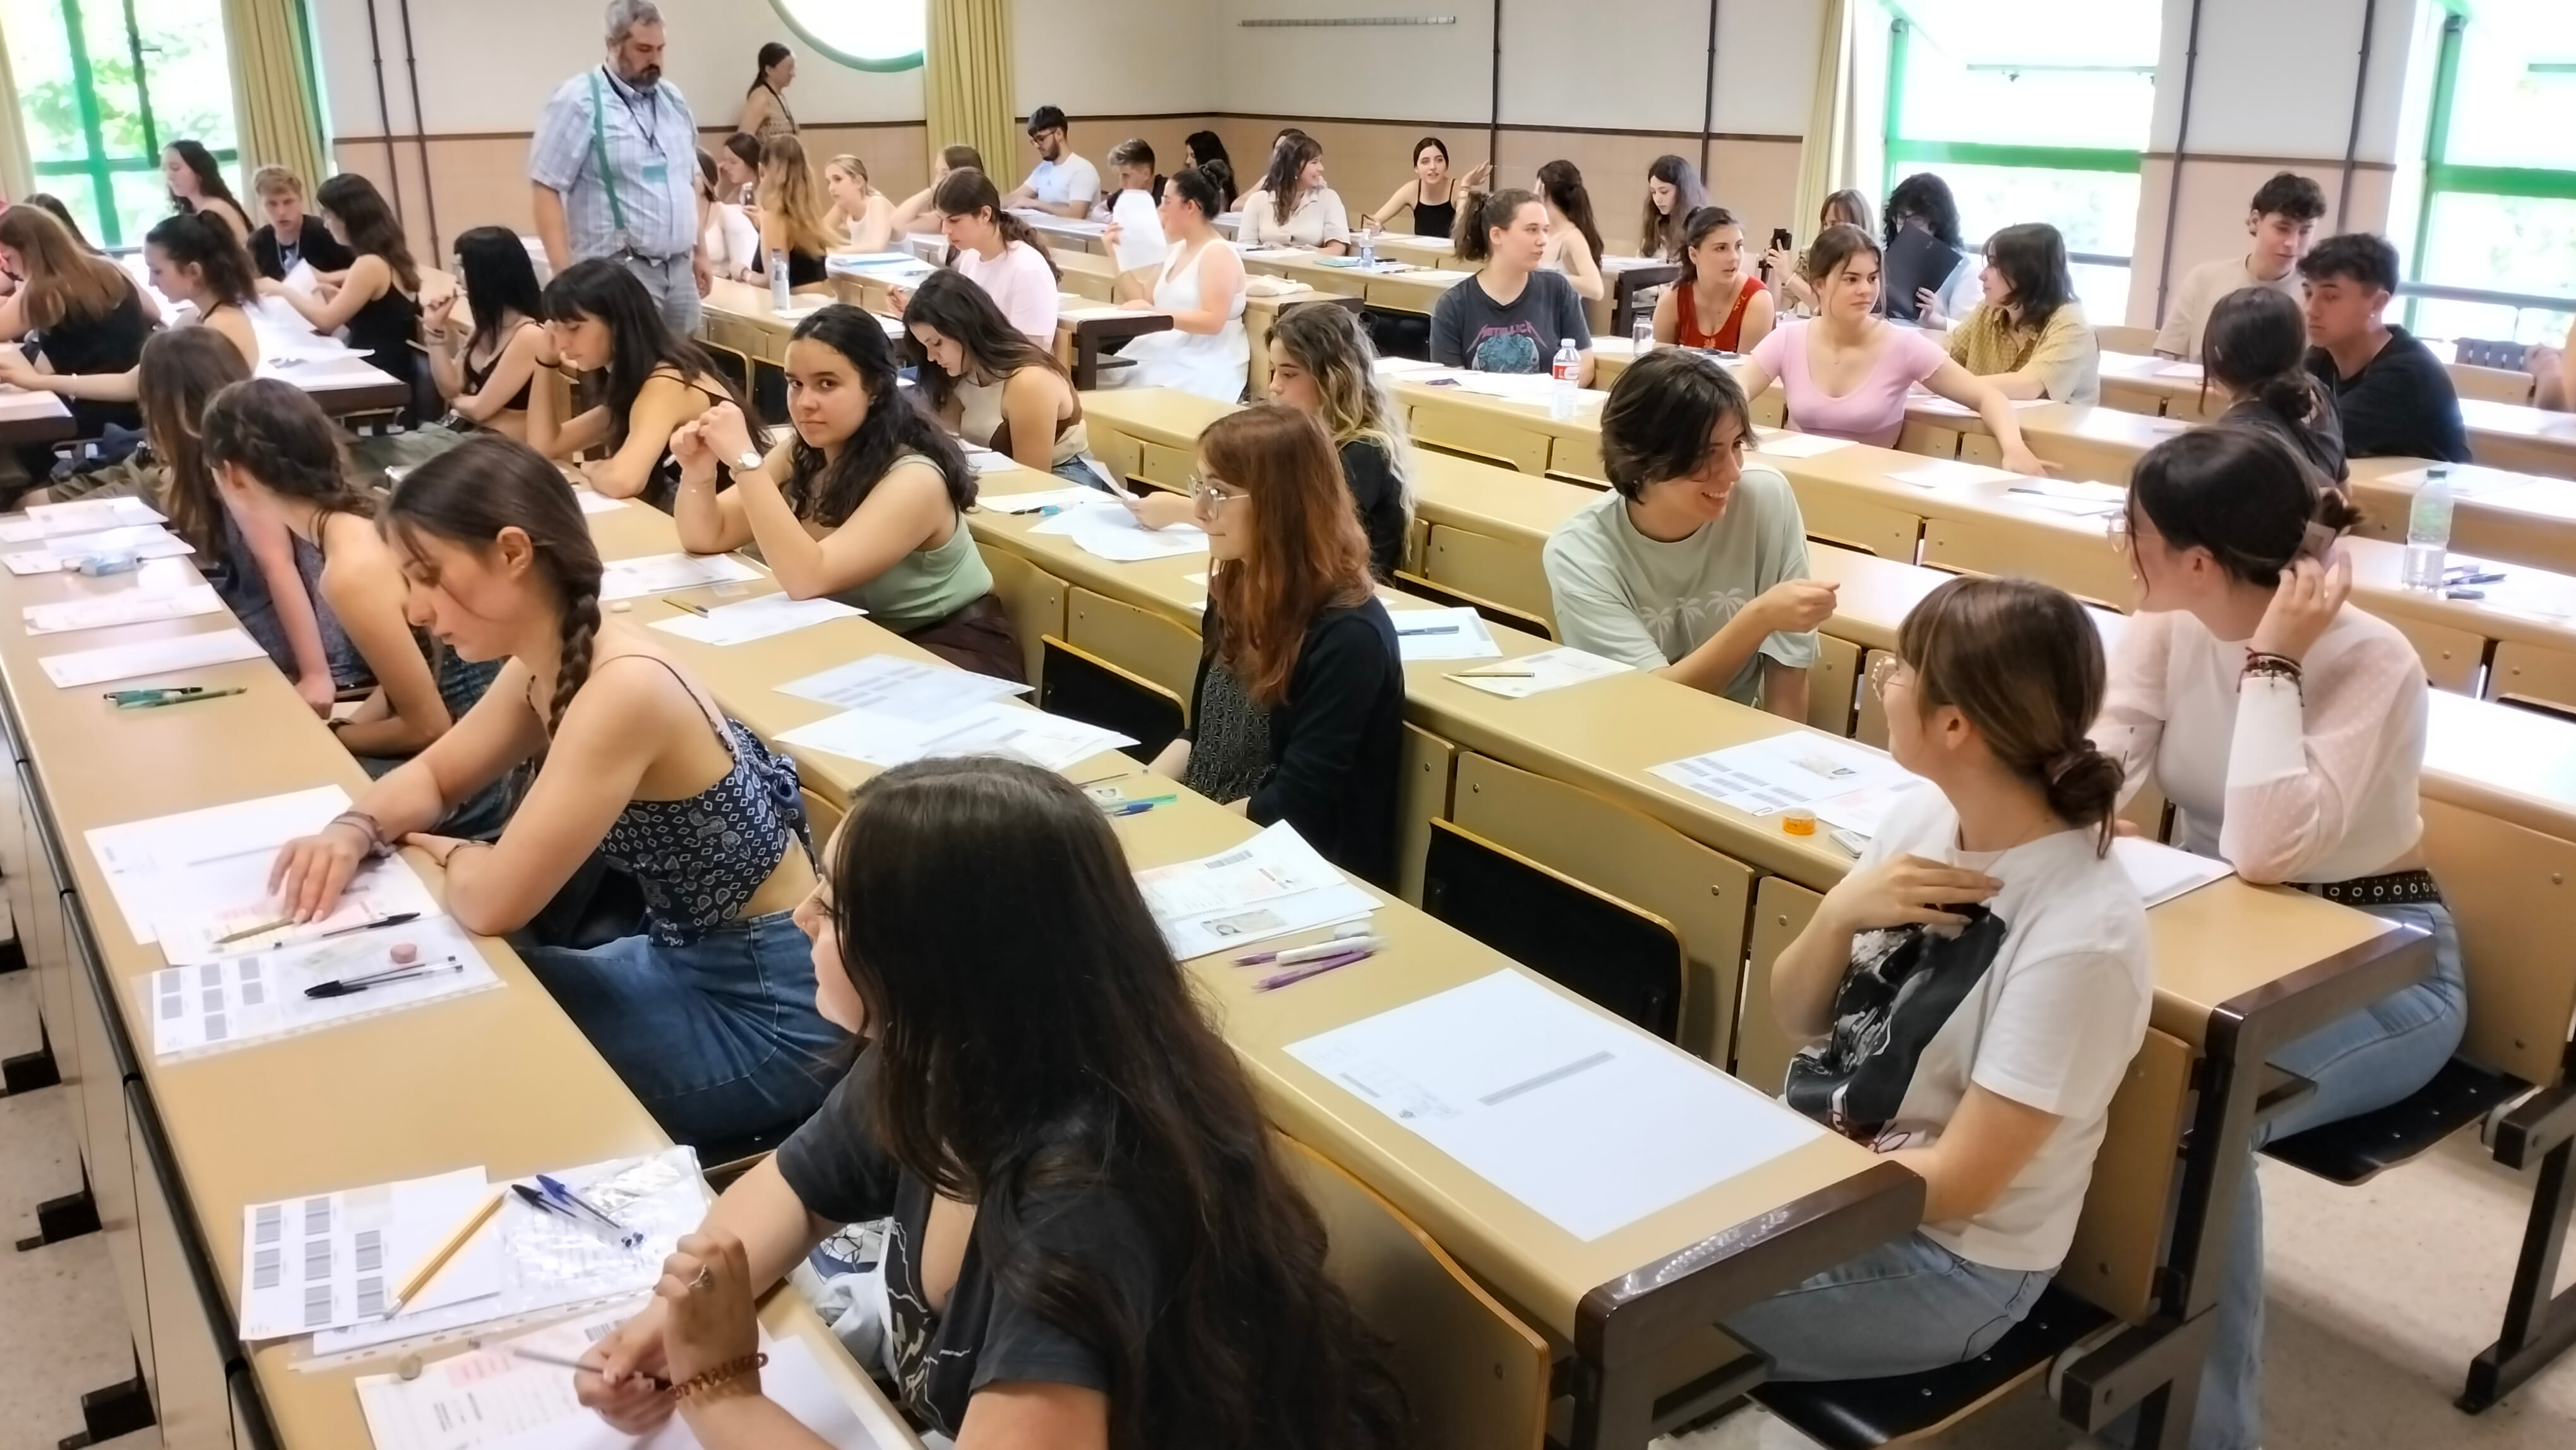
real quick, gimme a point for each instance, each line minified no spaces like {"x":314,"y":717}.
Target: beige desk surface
{"x":1534,"y":1263}
{"x":1408,"y":291}
{"x":2507,"y":435}
{"x":422,"y":1091}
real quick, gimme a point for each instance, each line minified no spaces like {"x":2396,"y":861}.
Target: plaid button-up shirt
{"x":651,"y":146}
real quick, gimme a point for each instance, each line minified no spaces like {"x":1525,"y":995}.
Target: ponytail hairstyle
{"x":1660,"y":234}
{"x":2255,"y":345}
{"x":1197,"y":188}
{"x":828,"y":492}
{"x":639,"y":341}
{"x":1702,"y":222}
{"x":770,"y":55}
{"x":1286,"y":176}
{"x":1472,"y":239}
{"x":2244,"y":496}
{"x":181,"y":368}
{"x":2023,"y":663}
{"x":966,"y":191}
{"x":277,"y":434}
{"x":958,"y":309}
{"x":372,"y":230}
{"x":1329,"y":344}
{"x":491,"y":482}
{"x":1562,"y":184}
{"x":190,"y":239}
{"x":1308,"y":552}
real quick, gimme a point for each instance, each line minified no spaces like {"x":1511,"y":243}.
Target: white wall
{"x":1435,"y":73}
{"x":1114,"y":57}
{"x":2276,"y":77}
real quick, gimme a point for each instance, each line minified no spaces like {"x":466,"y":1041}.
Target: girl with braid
{"x":708,"y":1014}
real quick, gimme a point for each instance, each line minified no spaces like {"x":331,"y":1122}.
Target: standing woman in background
{"x":1573,"y":240}
{"x":86,"y":316}
{"x":1789,"y":265}
{"x":765,"y":116}
{"x":1432,"y":194}
{"x":1206,"y":351}
{"x":987,"y":383}
{"x":378,"y":299}
{"x":1673,"y":192}
{"x":197,"y":185}
{"x":2028,"y":337}
{"x":916,"y":211}
{"x":603,"y":321}
{"x":1205,"y":151}
{"x":861,"y":219}
{"x":1715,"y":305}
{"x":791,"y":215}
{"x":999,"y":252}
{"x":1293,"y":207}
{"x":2253,"y":353}
{"x":487,"y":375}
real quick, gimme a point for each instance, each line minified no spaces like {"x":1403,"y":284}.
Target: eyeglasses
{"x":1882,"y":670}
{"x":1207,"y":495}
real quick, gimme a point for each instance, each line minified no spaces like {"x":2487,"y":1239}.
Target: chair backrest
{"x":1082,"y":686}
{"x":1032,"y":597}
{"x":2119,"y":1240}
{"x":2135,"y":341}
{"x":1474,"y":1376}
{"x":1626,"y":960}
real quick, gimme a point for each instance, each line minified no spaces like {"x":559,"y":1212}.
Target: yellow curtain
{"x":966,"y":82}
{"x":17,"y":173}
{"x":1824,"y":160}
{"x":279,"y":115}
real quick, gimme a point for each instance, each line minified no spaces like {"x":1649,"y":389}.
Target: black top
{"x":109,"y":343}
{"x":2319,"y":439}
{"x":806,"y":269}
{"x":476,"y":378}
{"x":1336,"y":741}
{"x":1436,"y":219}
{"x":313,"y":243}
{"x":2400,"y":405}
{"x":1380,"y":497}
{"x":383,"y":330}
{"x":987,"y":1332}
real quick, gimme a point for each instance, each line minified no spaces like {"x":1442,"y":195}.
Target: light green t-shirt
{"x":1647,"y":603}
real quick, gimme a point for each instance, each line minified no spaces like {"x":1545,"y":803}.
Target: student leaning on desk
{"x":1093,"y":1240}
{"x":1063,"y":184}
{"x":603,"y":321}
{"x":988,"y":384}
{"x":488,"y":375}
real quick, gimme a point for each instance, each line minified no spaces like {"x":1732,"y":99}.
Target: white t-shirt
{"x":2042,"y":999}
{"x":2201,"y":288}
{"x":732,"y":243}
{"x":1021,"y":284}
{"x":1061,"y":183}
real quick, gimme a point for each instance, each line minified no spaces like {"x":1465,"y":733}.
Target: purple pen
{"x":1316,"y":968}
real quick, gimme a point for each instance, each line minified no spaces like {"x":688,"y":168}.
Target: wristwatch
{"x":747,"y":461}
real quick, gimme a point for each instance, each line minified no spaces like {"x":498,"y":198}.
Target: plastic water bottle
{"x":1643,"y":333}
{"x":1368,"y":246}
{"x":1560,"y":399}
{"x":777,"y":280}
{"x":2428,"y":530}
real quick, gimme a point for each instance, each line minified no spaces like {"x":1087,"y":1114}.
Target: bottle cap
{"x":1798,"y":821}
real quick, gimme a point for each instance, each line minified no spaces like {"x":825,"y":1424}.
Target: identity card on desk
{"x":1269,"y":886}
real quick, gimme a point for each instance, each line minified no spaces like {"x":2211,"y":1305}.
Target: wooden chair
{"x":1079,"y":685}
{"x":1033,"y":598}
{"x":2135,"y":341}
{"x":1627,"y":961}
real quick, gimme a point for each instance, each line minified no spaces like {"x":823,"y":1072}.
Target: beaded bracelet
{"x":725,"y":1373}
{"x":2273,"y":667}
{"x":377,"y":845}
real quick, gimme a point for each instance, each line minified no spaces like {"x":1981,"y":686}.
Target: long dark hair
{"x":1197,"y":188}
{"x":1561,"y":182}
{"x":1287,"y":171}
{"x":967,"y":315}
{"x":1207,"y":155}
{"x":181,"y":368}
{"x":370,"y":223}
{"x":190,"y":240}
{"x":2032,"y":257}
{"x":2255,"y":344}
{"x":490,"y":482}
{"x":1924,"y":197}
{"x":499,"y":280}
{"x":1702,"y":222}
{"x":1037,"y":1043}
{"x":210,"y":177}
{"x":47,"y":201}
{"x":276,"y":433}
{"x":1660,"y":234}
{"x":966,"y":191}
{"x":829,"y":492}
{"x":770,"y":55}
{"x":639,"y":341}
{"x":2241,"y":494}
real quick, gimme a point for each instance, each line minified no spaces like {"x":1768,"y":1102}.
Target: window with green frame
{"x":2029,"y":118}
{"x":881,"y":35}
{"x":2494,"y":210}
{"x":103,"y":85}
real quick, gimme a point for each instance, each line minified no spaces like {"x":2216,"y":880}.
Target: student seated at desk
{"x":1206,"y":351}
{"x":999,"y":252}
{"x":1063,"y":184}
{"x":738,"y":169}
{"x":378,"y":299}
{"x":1847,"y":371}
{"x":2254,"y":351}
{"x":2288,"y":728}
{"x":1715,"y":304}
{"x":1573,"y":240}
{"x":1132,"y":162}
{"x":1432,"y":194}
{"x":268,"y":578}
{"x":729,"y":238}
{"x":1205,"y":151}
{"x":1693,"y":566}
{"x":1298,"y":712}
{"x":2553,"y":374}
{"x":1789,"y":269}
{"x":1292,"y":207}
{"x":707,"y":1013}
{"x":1971,"y":992}
{"x":792,"y":217}
{"x":1923,"y":203}
{"x":1092,"y":1227}
{"x":2281,"y":219}
{"x":80,"y":315}
{"x":987,"y":383}
{"x":277,"y":458}
{"x":1322,"y":365}
{"x":197,"y":188}
{"x":864,"y":501}
{"x":1514,"y":313}
{"x":2395,"y":398}
{"x":1673,"y":192}
{"x":915,"y":212}
{"x":191,"y":259}
{"x":601,"y":320}
{"x":861,"y":218}
{"x":2028,"y":338}
{"x":486,"y":375}
{"x":291,"y":235}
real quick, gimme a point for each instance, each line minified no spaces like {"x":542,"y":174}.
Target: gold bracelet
{"x":707,"y":1379}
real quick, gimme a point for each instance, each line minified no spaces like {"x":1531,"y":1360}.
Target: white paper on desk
{"x":1793,"y":768}
{"x":597,"y":503}
{"x":124,"y":606}
{"x":472,"y":1399}
{"x":1442,"y":276}
{"x":669,"y":573}
{"x":1140,"y":231}
{"x":1233,"y":928}
{"x":337,"y":1259}
{"x":1781,"y":443}
{"x":217,"y":1006}
{"x":994,"y":727}
{"x":984,"y":463}
{"x":793,"y":1379}
{"x":1548,"y":670}
{"x":1029,"y":503}
{"x":1407,"y":367}
{"x":2468,"y":480}
{"x":901,"y":689}
{"x":1588,"y":1121}
{"x":1945,"y":472}
{"x":150,"y":657}
{"x":144,"y":541}
{"x":1524,"y":388}
{"x":756,"y":618}
{"x":81,"y":516}
{"x":2190,"y":370}
{"x":1863,"y":811}
{"x":1109,"y":531}
{"x":1443,"y":634}
{"x":1275,"y":863}
{"x":380,"y":889}
{"x":1939,"y":406}
{"x":2161,"y":872}
{"x":2069,"y":496}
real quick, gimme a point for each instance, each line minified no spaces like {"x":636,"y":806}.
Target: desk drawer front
{"x":1489,"y":568}
{"x":1477,"y":435}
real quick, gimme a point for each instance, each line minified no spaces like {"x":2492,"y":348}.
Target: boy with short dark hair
{"x":2281,"y":219}
{"x":1063,"y":184}
{"x":2396,"y":398}
{"x":292,"y":234}
{"x":1132,"y":161}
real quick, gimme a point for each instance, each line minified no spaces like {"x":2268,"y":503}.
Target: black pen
{"x":347,"y":986}
{"x":397,"y":919}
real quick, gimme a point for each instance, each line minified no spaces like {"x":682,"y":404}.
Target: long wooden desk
{"x":1392,"y":285}
{"x":1095,"y":277}
{"x":33,"y":417}
{"x":174,"y":1151}
{"x":1617,"y":1303}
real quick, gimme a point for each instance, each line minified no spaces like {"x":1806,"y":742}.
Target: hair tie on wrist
{"x":2317,"y":543}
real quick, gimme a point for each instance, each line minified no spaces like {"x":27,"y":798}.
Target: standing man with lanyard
{"x":615,"y":168}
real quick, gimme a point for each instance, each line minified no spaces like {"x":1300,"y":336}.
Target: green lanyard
{"x":599,"y":148}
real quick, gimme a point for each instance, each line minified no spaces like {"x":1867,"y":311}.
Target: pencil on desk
{"x":699,"y":610}
{"x":457,"y":1240}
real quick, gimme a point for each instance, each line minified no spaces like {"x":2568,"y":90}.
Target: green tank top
{"x":926,"y":585}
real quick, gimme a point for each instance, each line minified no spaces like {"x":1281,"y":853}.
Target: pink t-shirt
{"x":1021,"y":285}
{"x":1874,"y":412}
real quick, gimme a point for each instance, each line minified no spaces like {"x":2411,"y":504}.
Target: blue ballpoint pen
{"x":574,"y":1202}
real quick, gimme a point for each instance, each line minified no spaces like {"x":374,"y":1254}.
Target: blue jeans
{"x":1902,"y":1308}
{"x":719,"y":1038}
{"x":2377,"y":1056}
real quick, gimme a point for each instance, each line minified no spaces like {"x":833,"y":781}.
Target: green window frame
{"x":912,"y":61}
{"x":97,"y":167}
{"x":2444,"y":177}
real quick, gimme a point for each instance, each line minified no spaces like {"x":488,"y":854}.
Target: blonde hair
{"x":271,"y":181}
{"x":854,"y":166}
{"x":789,"y":192}
{"x":1351,"y":400}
